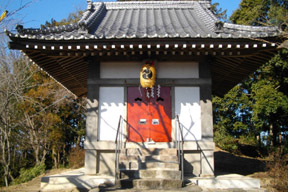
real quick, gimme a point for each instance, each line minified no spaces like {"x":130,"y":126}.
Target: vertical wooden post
{"x":92,"y":117}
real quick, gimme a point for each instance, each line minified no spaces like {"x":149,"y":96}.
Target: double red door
{"x":149,"y":117}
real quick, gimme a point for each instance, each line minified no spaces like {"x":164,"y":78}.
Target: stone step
{"x":129,"y":165}
{"x":149,"y":164}
{"x":125,"y":183}
{"x":149,"y":151}
{"x":149,"y":168}
{"x":149,"y":174}
{"x":157,"y":151}
{"x":160,"y":165}
{"x":157,"y":183}
{"x":129,"y":158}
{"x":162,"y":158}
{"x":141,"y":184}
{"x":130,"y":152}
{"x":160,"y":174}
{"x":129,"y":174}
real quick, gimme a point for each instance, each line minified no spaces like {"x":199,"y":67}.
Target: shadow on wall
{"x":227,"y":163}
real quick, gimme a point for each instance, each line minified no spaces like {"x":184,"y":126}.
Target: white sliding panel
{"x":111,"y":106}
{"x":187,"y":106}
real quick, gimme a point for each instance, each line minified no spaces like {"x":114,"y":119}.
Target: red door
{"x":149,"y":118}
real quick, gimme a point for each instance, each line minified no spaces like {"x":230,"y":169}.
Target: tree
{"x":264,"y":12}
{"x":14,"y":76}
{"x":251,"y":12}
{"x":71,"y":131}
{"x":37,"y":124}
{"x":13,"y":73}
{"x":9,"y":18}
{"x":255,"y":111}
{"x":218,"y":12}
{"x":261,"y":12}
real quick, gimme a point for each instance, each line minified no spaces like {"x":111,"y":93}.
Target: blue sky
{"x":40,"y":11}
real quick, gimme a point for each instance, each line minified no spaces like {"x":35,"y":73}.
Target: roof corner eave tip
{"x":8,"y":33}
{"x":283,"y":45}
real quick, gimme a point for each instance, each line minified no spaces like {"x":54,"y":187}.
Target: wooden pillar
{"x":92,"y":117}
{"x":207,"y":155}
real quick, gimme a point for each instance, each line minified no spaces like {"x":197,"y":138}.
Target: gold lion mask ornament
{"x":148,"y":75}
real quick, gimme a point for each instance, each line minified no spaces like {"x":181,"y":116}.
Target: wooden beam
{"x":136,"y":82}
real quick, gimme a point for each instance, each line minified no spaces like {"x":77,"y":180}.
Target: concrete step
{"x":129,"y":165}
{"x":157,"y":151}
{"x":160,"y":165}
{"x":160,"y":174}
{"x":149,"y":158}
{"x":130,"y":152}
{"x":141,"y":184}
{"x":149,"y":174}
{"x":162,"y":158}
{"x":148,"y":151}
{"x":149,"y":168}
{"x":231,"y":181}
{"x":74,"y":179}
{"x":129,"y":157}
{"x":125,"y":183}
{"x":157,"y":183}
{"x":129,"y":174}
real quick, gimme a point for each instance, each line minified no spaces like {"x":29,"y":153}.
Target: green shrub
{"x":226,"y":142}
{"x":29,"y":174}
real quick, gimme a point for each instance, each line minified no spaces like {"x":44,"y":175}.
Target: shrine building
{"x":148,"y":70}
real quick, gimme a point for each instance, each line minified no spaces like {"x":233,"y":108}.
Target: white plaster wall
{"x":177,"y":70}
{"x":126,"y":70}
{"x":187,"y":106}
{"x":111,"y":106}
{"x":121,"y":70}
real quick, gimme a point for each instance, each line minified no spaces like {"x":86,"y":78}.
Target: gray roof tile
{"x":190,"y":25}
{"x":147,"y":19}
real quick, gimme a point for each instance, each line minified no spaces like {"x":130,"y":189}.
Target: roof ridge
{"x":249,"y":27}
{"x":152,"y":4}
{"x":195,"y":15}
{"x":45,"y":30}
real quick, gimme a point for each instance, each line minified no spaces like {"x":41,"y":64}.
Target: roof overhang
{"x":67,"y":60}
{"x":162,"y":30}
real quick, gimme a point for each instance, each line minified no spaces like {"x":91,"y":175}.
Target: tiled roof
{"x":147,"y":19}
{"x":164,"y":30}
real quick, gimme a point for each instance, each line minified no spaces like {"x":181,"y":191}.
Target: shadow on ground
{"x":227,"y":163}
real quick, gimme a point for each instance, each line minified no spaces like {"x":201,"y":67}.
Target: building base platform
{"x":75,"y":179}
{"x":227,"y":181}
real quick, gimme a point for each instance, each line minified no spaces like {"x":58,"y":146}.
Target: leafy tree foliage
{"x":220,"y":14}
{"x":40,"y":122}
{"x":11,"y":89}
{"x":72,"y":18}
{"x":255,"y":111}
{"x":261,"y":12}
{"x":251,"y":12}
